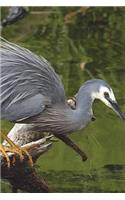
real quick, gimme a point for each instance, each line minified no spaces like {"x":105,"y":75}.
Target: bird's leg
{"x":13,"y":148}
{"x":70,"y":143}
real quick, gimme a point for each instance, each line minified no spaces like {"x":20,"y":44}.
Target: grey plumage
{"x":26,"y":78}
{"x":32,"y":92}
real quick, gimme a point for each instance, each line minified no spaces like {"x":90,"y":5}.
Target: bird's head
{"x":105,"y":93}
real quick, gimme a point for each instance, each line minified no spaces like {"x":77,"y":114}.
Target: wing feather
{"x":25,"y":77}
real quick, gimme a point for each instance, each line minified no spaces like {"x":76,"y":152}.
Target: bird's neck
{"x":63,"y":120}
{"x":83,"y":113}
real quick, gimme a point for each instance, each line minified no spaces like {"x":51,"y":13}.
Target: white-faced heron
{"x":32,"y":93}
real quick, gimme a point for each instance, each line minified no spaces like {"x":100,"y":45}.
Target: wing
{"x":28,"y":83}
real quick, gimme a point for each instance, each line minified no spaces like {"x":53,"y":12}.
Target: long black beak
{"x":116,"y":108}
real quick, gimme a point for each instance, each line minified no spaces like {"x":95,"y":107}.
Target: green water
{"x":70,"y":38}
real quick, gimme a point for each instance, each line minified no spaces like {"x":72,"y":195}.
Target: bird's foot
{"x":13,"y":148}
{"x":4,"y":150}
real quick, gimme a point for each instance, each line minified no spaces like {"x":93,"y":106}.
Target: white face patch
{"x":100,"y":95}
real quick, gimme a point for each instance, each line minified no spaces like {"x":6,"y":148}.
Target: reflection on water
{"x":91,"y":44}
{"x":110,"y":178}
{"x":101,"y":180}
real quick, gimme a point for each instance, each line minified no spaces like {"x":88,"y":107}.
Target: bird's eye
{"x":106,"y":94}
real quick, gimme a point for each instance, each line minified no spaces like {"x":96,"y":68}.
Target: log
{"x":21,"y":174}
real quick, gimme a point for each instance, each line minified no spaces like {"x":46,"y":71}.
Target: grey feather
{"x":28,"y":83}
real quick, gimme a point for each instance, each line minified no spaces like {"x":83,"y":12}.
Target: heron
{"x":33,"y":93}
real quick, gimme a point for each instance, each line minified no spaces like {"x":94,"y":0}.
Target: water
{"x":81,"y":44}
